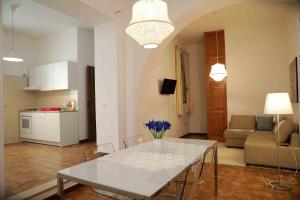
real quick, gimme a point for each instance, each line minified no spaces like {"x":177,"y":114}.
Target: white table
{"x":140,"y":172}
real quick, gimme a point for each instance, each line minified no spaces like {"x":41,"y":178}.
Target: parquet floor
{"x":235,"y":183}
{"x":28,"y":165}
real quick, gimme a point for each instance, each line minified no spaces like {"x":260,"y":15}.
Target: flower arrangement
{"x":158,"y":128}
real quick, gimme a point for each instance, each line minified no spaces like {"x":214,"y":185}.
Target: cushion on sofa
{"x":285,"y":130}
{"x":264,"y":123}
{"x":261,"y":138}
{"x":229,"y":134}
{"x":246,"y":122}
{"x":260,"y":149}
{"x":294,"y":140}
{"x":278,"y":125}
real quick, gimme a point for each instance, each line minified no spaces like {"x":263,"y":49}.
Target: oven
{"x":25,"y":126}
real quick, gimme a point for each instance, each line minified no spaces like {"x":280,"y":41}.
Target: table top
{"x":140,"y":171}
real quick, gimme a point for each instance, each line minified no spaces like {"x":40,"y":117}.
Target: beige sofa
{"x":261,"y":149}
{"x":260,"y":146}
{"x":240,"y":127}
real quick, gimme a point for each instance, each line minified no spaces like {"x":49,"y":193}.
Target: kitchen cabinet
{"x":46,"y":74}
{"x":37,"y":123}
{"x":65,"y":75}
{"x":55,"y":128}
{"x":54,"y":76}
{"x":52,"y":127}
{"x":35,"y":79}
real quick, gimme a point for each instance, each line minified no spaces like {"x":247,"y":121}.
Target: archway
{"x":145,"y":111}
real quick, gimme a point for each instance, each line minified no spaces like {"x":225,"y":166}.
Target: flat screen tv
{"x":168,"y":86}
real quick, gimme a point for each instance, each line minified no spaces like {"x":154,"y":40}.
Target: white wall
{"x":106,"y":84}
{"x":198,"y":116}
{"x":25,"y":46}
{"x":85,"y":57}
{"x":258,"y":55}
{"x":153,"y":105}
{"x":2,"y":183}
{"x":57,"y":47}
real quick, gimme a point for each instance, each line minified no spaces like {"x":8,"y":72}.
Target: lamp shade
{"x":278,"y":103}
{"x":150,"y":23}
{"x":12,"y":56}
{"x":218,"y":72}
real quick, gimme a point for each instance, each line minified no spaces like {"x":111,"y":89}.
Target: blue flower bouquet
{"x":158,"y":128}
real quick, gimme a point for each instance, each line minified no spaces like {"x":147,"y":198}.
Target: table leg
{"x":60,"y":187}
{"x":216,"y":168}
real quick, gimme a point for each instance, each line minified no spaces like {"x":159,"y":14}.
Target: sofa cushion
{"x":278,"y":125}
{"x":242,"y":122}
{"x":294,"y":140}
{"x":233,"y":134}
{"x":260,"y":149}
{"x":261,"y":138}
{"x":264,"y":123}
{"x":285,"y":130}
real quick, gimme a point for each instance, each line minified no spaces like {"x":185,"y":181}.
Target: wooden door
{"x":91,"y":103}
{"x":215,"y":91}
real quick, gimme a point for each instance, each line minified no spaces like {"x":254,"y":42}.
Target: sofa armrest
{"x":294,"y":140}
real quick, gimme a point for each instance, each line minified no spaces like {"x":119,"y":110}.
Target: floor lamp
{"x":276,"y":104}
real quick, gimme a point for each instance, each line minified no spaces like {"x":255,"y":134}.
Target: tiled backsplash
{"x":56,"y":98}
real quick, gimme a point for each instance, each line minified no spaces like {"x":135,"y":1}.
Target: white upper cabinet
{"x":54,"y":76}
{"x":61,"y":80}
{"x":35,"y":80}
{"x":65,"y":75}
{"x":46,"y":77}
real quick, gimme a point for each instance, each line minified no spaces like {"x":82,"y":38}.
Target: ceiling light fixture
{"x":218,"y":71}
{"x":12,"y":56}
{"x":150,"y":23}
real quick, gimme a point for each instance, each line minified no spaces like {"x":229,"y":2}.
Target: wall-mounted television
{"x":168,"y":86}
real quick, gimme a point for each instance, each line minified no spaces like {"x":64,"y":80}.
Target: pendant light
{"x":150,"y":23}
{"x":12,"y":56}
{"x":218,"y":71}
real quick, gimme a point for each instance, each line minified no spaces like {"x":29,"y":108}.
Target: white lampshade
{"x":278,"y":103}
{"x":150,"y":23}
{"x":12,"y":56}
{"x":218,"y":72}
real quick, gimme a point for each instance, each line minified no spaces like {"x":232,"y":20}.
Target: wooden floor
{"x":235,"y":183}
{"x":28,"y":165}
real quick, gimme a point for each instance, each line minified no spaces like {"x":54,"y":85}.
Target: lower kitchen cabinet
{"x":55,"y":128}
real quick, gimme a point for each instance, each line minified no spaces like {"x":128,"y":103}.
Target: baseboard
{"x":194,"y":134}
{"x":83,"y":141}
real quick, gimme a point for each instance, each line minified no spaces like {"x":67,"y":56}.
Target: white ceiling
{"x":38,"y":18}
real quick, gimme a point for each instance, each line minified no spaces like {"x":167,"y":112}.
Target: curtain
{"x":179,"y":93}
{"x":183,"y":98}
{"x":187,"y":80}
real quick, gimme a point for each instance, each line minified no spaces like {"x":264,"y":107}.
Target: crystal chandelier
{"x":218,"y":71}
{"x":150,"y":23}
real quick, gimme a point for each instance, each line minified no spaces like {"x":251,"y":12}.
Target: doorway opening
{"x":45,"y":96}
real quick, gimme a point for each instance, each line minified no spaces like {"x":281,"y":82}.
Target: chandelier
{"x":150,"y":23}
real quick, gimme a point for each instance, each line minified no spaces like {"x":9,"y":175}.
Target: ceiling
{"x":252,"y":13}
{"x":38,"y":18}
